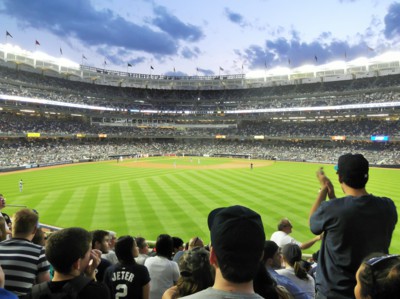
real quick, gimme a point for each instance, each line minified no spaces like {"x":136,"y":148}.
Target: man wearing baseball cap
{"x":354,"y":226}
{"x":237,"y":244}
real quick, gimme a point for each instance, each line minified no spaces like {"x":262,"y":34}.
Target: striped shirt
{"x":22,"y":261}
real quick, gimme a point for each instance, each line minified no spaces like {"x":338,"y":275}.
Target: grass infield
{"x":174,"y":195}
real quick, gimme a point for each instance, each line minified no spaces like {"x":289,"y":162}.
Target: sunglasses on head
{"x":376,"y":260}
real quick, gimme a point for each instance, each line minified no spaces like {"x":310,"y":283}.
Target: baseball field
{"x":174,"y":195}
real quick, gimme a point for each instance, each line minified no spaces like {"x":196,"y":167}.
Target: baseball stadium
{"x":147,"y":154}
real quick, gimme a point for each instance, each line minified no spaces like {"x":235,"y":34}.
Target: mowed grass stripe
{"x":181,"y":218}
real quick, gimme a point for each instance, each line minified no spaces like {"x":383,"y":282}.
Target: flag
{"x":174,"y":69}
{"x":197,"y":69}
{"x":316,"y":58}
{"x":84,"y":57}
{"x":105,"y":62}
{"x":370,"y":49}
{"x":151,"y":67}
{"x":8,"y":34}
{"x":61,"y":51}
{"x":288,"y":61}
{"x":345,"y":54}
{"x":37,"y":43}
{"x":129,"y":65}
{"x":265,"y":63}
{"x":221,"y":69}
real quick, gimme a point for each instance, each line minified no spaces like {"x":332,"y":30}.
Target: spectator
{"x":237,"y":241}
{"x":164,"y":273}
{"x":193,"y":243}
{"x":69,"y":252}
{"x":110,"y":255}
{"x":272,"y":260}
{"x":127,"y":279}
{"x":143,"y":250}
{"x":378,"y":277}
{"x":100,"y":241}
{"x":196,"y":274}
{"x":294,"y":270}
{"x":266,"y":286}
{"x":282,"y":236}
{"x":178,"y":246}
{"x":5,"y":216}
{"x":39,"y":238}
{"x":349,"y":224}
{"x":23,"y":262}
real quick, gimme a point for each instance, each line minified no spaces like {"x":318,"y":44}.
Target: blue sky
{"x":201,"y":37}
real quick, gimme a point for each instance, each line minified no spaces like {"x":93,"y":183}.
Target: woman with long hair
{"x":196,"y":274}
{"x":294,"y":270}
{"x":127,"y":279}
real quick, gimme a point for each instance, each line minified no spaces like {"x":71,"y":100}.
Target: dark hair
{"x":98,"y":236}
{"x":39,"y":237}
{"x":292,"y":255}
{"x":264,"y":284}
{"x":178,"y":242}
{"x":140,"y":242}
{"x":124,"y":249}
{"x":66,"y":246}
{"x":164,"y":246}
{"x":270,"y":248}
{"x":196,"y":272}
{"x":380,"y":279}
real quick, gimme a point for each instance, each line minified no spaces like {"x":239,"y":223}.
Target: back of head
{"x":353,"y":170}
{"x":124,"y":249}
{"x":196,"y":271}
{"x":178,"y":243}
{"x":140,"y":242}
{"x":164,"y":246}
{"x":379,"y":276}
{"x":237,"y":238}
{"x":25,"y":221}
{"x":66,"y":246}
{"x":292,"y":255}
{"x":195,"y":242}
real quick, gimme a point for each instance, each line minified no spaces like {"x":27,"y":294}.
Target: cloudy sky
{"x":186,"y":37}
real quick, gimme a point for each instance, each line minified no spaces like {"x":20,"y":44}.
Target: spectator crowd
{"x":353,"y":234}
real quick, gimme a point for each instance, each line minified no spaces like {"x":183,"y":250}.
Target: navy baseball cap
{"x":353,"y":170}
{"x":237,"y":237}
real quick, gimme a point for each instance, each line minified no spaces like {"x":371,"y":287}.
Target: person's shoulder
{"x":96,"y":290}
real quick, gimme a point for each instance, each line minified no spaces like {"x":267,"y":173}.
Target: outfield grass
{"x":148,"y":201}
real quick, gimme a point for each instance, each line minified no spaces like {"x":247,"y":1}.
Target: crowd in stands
{"x":33,"y":152}
{"x":13,"y":124}
{"x":240,"y":262}
{"x":363,"y":90}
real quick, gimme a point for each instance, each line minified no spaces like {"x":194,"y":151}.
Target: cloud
{"x":279,"y":51}
{"x":174,"y":27}
{"x":235,"y":18}
{"x":392,"y":22}
{"x":190,"y":53}
{"x":80,"y":20}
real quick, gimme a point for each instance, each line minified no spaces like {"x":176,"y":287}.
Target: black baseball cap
{"x":237,"y":237}
{"x":353,"y":170}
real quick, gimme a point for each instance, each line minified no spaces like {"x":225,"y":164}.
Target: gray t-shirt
{"x":212,"y":293}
